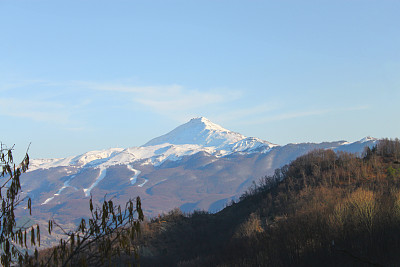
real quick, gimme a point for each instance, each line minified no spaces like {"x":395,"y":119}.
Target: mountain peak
{"x":367,"y":139}
{"x":207,"y":124}
{"x":198,"y":131}
{"x":201,"y":118}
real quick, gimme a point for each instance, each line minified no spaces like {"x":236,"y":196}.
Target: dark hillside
{"x":325,"y":208}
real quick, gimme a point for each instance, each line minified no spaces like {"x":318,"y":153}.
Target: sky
{"x":85,"y":75}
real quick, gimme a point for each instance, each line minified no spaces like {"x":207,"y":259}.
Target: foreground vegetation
{"x":99,"y":240}
{"x":322,"y":209}
{"x":13,"y":238}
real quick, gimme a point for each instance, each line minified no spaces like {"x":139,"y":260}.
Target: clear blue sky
{"x":85,"y":75}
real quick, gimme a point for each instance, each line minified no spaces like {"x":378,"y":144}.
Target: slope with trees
{"x":336,"y":209}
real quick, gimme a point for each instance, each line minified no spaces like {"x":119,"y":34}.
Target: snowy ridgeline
{"x":81,"y":174}
{"x":198,"y":135}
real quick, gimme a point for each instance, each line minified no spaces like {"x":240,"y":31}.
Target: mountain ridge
{"x":217,"y":154}
{"x":199,"y":134}
{"x":200,"y":131}
{"x":165,"y":176}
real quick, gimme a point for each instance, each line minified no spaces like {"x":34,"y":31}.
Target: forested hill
{"x":324,"y":208}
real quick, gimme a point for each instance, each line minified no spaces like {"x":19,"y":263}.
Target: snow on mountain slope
{"x":252,"y":144}
{"x":199,"y":134}
{"x":102,"y":174}
{"x":367,"y":139}
{"x":133,"y":179}
{"x":91,"y":157}
{"x":198,"y":164}
{"x":198,"y":131}
{"x":358,"y":146}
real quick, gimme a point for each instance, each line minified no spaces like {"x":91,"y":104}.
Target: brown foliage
{"x":328,"y":208}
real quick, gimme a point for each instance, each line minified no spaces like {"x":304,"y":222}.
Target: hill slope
{"x":198,"y":165}
{"x":322,"y":209}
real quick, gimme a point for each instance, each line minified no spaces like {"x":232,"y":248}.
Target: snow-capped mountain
{"x":197,"y":135}
{"x":198,"y":131}
{"x":198,"y":165}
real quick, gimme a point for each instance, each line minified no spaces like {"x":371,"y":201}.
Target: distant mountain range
{"x":198,"y":165}
{"x":198,"y":135}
